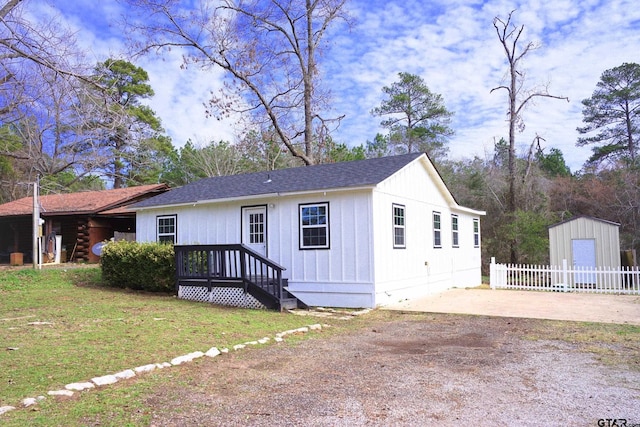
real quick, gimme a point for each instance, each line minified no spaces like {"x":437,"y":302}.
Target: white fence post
{"x":564,"y":278}
{"x":492,"y":273}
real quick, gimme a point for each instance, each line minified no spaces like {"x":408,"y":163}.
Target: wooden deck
{"x":233,"y":266}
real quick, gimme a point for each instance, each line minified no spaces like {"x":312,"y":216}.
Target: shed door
{"x":584,"y":257}
{"x":254,"y":228}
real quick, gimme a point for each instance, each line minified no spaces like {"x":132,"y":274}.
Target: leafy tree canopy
{"x":416,"y":118}
{"x":612,"y":115}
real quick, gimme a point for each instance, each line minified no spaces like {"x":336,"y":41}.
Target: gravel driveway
{"x":409,"y":369}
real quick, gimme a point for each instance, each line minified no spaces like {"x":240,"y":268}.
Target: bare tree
{"x":44,"y":87}
{"x":58,"y":107}
{"x":268,"y":48}
{"x":519,"y":97}
{"x":45,"y":43}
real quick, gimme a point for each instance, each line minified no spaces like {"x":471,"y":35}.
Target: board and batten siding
{"x":341,"y":276}
{"x":361,"y":268}
{"x":605,"y":234}
{"x":419,"y":268}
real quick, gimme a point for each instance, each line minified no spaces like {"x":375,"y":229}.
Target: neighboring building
{"x":353,"y":234}
{"x":585,"y":242}
{"x":83,"y":220}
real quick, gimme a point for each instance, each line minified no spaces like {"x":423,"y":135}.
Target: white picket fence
{"x":621,"y":280}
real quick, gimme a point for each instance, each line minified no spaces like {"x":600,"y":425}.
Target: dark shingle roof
{"x":359,"y":173}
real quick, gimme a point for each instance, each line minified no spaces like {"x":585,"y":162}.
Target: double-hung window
{"x":399,"y":234}
{"x":454,"y":231}
{"x":437,"y":230}
{"x":166,"y":228}
{"x":476,"y":232}
{"x":314,"y":226}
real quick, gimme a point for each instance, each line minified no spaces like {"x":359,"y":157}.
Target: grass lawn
{"x":60,"y":326}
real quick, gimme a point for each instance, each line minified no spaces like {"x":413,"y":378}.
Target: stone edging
{"x":70,"y":389}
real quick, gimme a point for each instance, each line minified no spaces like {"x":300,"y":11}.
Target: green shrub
{"x":141,"y":266}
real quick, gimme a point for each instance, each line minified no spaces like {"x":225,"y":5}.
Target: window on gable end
{"x":476,"y":233}
{"x":437,"y":230}
{"x":399,"y":227}
{"x":455,"y":242}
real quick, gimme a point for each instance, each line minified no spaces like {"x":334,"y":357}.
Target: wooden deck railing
{"x":223,"y":264}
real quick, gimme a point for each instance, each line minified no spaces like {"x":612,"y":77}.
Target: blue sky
{"x":451,"y":44}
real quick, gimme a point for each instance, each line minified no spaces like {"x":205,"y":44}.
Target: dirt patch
{"x":412,"y":370}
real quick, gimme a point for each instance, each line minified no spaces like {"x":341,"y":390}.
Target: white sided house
{"x":353,"y":234}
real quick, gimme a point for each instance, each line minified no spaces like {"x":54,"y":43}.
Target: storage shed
{"x":585,"y":242}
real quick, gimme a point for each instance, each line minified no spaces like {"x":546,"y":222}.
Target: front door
{"x":254,"y":228}
{"x":584,"y":257}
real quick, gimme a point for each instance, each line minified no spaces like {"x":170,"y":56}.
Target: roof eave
{"x":253,"y":197}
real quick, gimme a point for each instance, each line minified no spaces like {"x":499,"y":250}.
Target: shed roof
{"x":353,"y":174}
{"x":85,"y":202}
{"x":590,"y":218}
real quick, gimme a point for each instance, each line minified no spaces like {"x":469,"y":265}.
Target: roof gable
{"x":354,"y":174}
{"x":85,"y":202}
{"x":584,"y":217}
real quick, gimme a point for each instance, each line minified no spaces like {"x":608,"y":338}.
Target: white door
{"x":584,"y":257}
{"x":254,"y":228}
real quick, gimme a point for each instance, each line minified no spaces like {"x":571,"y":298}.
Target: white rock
{"x":129,"y":373}
{"x":29,"y":401}
{"x":105,"y":380}
{"x":251,"y":343}
{"x":315,"y":327}
{"x":145,"y":368}
{"x":213,"y":352}
{"x":186,"y":358}
{"x":239,"y":346}
{"x":224,"y":350}
{"x":5,"y":409}
{"x":264,"y":340}
{"x":79,"y":386}
{"x":163,"y":365}
{"x":68,"y":393}
{"x":278,"y":339}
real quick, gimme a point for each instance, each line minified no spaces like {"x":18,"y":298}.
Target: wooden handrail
{"x":230,"y":262}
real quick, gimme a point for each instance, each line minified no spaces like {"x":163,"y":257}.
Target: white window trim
{"x":175,"y":227}
{"x":476,"y":233}
{"x":455,"y":231}
{"x":437,"y":230}
{"x":301,"y":227}
{"x":402,"y":227}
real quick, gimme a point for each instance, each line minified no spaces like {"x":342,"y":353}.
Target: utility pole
{"x":36,"y":226}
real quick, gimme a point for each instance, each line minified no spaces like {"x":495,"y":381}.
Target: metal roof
{"x":84,"y":202}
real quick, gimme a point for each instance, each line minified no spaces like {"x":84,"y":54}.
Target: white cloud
{"x":450,"y":43}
